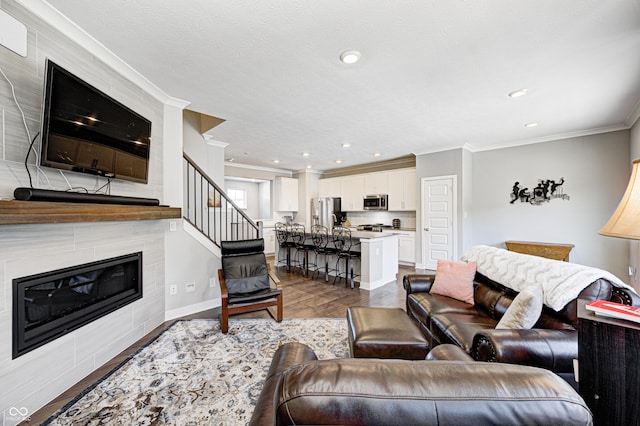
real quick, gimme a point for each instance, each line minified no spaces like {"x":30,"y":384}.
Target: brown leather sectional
{"x":447,"y":389}
{"x":551,"y":344}
{"x":449,"y":386}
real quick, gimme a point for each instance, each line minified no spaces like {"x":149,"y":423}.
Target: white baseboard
{"x":192,"y":309}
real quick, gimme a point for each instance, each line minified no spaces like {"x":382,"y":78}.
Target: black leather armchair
{"x":245,"y":281}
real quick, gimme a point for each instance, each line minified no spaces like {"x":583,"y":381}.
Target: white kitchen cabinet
{"x":352,"y":193}
{"x":406,"y":246}
{"x":330,"y":187}
{"x":407,"y":249}
{"x":410,"y":190}
{"x":286,"y":194}
{"x":269,"y":236}
{"x":399,"y":184}
{"x":402,"y":190}
{"x":376,"y":183}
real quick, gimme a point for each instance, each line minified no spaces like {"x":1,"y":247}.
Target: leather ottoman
{"x":384,"y":333}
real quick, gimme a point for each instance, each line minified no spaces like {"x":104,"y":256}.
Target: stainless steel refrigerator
{"x":326,"y":211}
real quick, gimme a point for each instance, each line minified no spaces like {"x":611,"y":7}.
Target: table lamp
{"x":625,"y":221}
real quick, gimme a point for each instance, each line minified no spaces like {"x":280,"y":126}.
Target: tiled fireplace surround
{"x":45,"y":372}
{"x":32,"y":380}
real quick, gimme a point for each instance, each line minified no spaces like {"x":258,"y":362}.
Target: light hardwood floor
{"x":303,"y":298}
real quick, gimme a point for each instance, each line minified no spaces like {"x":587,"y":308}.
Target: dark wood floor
{"x":303,"y":298}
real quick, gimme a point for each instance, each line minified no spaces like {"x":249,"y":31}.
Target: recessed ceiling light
{"x":305,"y":154}
{"x":350,"y":56}
{"x":276,"y":161}
{"x":338,"y":161}
{"x":308,"y":166}
{"x":518,"y":93}
{"x":346,"y":145}
{"x":532,"y":124}
{"x":376,"y":154}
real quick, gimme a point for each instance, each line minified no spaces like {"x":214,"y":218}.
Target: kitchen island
{"x":379,"y":258}
{"x":378,"y":263}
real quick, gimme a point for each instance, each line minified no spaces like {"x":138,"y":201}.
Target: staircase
{"x":208,"y":208}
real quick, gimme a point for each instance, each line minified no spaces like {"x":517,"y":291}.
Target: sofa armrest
{"x":292,"y":353}
{"x":375,"y":391}
{"x":624,"y":296}
{"x":448,"y":352}
{"x":550,"y":349}
{"x":418,"y":283}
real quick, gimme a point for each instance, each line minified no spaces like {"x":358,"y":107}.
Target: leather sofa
{"x":552,"y":343}
{"x":447,"y":389}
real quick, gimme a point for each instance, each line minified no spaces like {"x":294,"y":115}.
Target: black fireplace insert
{"x":52,"y":304}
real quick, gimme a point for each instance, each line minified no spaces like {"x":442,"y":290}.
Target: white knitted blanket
{"x":561,"y":281}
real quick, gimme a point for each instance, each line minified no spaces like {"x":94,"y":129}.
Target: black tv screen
{"x":85,"y":130}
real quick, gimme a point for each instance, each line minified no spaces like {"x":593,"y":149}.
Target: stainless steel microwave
{"x":376,"y":202}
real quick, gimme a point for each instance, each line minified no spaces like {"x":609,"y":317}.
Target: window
{"x":238,"y":196}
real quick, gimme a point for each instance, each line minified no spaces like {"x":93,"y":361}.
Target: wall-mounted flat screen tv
{"x":85,"y":130}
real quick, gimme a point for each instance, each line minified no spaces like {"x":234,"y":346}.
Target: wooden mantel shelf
{"x":15,"y":212}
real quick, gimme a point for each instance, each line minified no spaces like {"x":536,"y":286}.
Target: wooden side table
{"x":609,"y":366}
{"x":549,"y":250}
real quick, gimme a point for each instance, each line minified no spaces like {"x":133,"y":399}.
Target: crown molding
{"x":561,"y":136}
{"x":57,"y":20}
{"x":175,"y":102}
{"x":634,"y":116}
{"x":210,"y":141}
{"x":262,"y":169}
{"x":474,"y":148}
{"x":310,"y":171}
{"x":404,"y":162}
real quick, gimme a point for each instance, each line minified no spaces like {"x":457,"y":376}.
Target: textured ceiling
{"x":433,"y":74}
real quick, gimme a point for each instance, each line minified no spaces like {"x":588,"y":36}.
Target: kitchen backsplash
{"x":407,"y":219}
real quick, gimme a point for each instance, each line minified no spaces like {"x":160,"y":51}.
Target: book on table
{"x":614,"y":310}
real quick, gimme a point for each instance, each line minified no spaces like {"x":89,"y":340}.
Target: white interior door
{"x":438,"y":220}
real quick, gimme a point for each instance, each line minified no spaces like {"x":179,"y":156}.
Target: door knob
{"x":426,"y":229}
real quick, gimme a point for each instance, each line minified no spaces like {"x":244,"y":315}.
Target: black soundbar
{"x":33,"y":194}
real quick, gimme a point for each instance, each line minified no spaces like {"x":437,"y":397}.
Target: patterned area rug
{"x":192,"y":374}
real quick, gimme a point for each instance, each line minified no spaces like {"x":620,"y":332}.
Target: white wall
{"x":265,"y":173}
{"x":441,"y":164}
{"x":264,"y":200}
{"x":596,"y":170}
{"x":36,"y":378}
{"x":252,"y":190}
{"x":634,"y":245}
{"x":192,"y":260}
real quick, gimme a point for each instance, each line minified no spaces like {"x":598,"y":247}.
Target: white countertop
{"x":368,"y":235}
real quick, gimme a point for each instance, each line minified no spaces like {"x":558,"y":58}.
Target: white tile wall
{"x":5,"y":289}
{"x":98,"y":341}
{"x":39,"y":376}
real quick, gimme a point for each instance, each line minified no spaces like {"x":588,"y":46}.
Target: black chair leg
{"x":288,"y":259}
{"x":351,"y":271}
{"x":326,"y":268}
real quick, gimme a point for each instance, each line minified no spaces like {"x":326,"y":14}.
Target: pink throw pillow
{"x":455,"y":279}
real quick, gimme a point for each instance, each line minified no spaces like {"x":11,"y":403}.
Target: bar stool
{"x":283,"y":235}
{"x":298,"y":237}
{"x":343,"y":242}
{"x":320,"y":238}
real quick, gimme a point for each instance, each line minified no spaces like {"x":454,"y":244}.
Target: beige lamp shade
{"x":625,"y":222}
